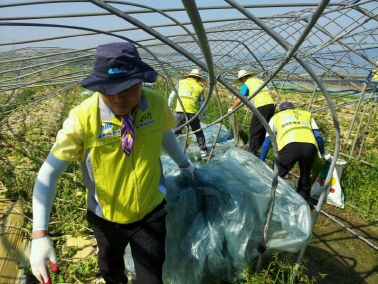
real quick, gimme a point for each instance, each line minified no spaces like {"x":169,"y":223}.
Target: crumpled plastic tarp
{"x":211,"y":132}
{"x":215,"y":223}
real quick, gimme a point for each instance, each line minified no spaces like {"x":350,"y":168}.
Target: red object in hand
{"x":54,"y":268}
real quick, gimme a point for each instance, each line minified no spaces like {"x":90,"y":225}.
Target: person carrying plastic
{"x":262,"y":101}
{"x":298,"y":140}
{"x":116,"y":134}
{"x":192,"y":97}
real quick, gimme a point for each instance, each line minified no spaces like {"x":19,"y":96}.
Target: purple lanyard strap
{"x":127,"y":133}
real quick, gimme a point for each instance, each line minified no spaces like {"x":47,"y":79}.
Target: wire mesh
{"x":341,"y":48}
{"x":328,"y":71}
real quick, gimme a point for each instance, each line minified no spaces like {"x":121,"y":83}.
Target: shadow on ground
{"x":339,"y":254}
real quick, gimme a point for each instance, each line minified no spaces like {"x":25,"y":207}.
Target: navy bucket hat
{"x":286,"y":105}
{"x":117,"y":67}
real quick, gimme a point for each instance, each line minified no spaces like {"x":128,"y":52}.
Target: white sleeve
{"x":273,"y":127}
{"x":45,"y":189}
{"x":171,"y":97}
{"x":314,"y":126}
{"x":170,"y":145}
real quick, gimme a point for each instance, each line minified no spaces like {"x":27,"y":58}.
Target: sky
{"x":18,"y":14}
{"x":15,"y":34}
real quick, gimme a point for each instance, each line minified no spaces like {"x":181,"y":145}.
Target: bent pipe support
{"x":192,"y":58}
{"x":97,"y":31}
{"x":220,"y":79}
{"x":195,"y":18}
{"x":292,"y":50}
{"x":282,"y":42}
{"x":220,"y":124}
{"x":224,"y":82}
{"x":164,"y":39}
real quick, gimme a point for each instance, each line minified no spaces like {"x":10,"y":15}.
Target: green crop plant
{"x":359,"y":182}
{"x":279,"y":270}
{"x":68,"y":215}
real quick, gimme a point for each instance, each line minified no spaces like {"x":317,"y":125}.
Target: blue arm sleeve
{"x":265,"y":148}
{"x":320,"y":141}
{"x":244,"y":90}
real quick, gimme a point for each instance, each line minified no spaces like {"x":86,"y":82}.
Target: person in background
{"x":116,"y":134}
{"x":375,"y":73}
{"x":262,"y":101}
{"x":298,"y":140}
{"x":192,"y":97}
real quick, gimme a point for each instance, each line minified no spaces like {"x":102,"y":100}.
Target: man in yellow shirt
{"x":192,"y":97}
{"x":116,"y":134}
{"x":262,"y":101}
{"x":298,"y":140}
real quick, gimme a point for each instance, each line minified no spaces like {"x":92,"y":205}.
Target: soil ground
{"x":339,"y":254}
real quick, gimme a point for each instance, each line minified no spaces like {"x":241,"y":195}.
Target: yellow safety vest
{"x":375,"y":77}
{"x":263,"y":97}
{"x":293,"y":126}
{"x":124,"y":189}
{"x":189,"y":92}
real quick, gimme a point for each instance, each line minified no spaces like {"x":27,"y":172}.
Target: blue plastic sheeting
{"x":215,"y":223}
{"x":211,"y":132}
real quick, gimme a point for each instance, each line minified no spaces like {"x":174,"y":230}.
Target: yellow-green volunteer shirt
{"x":189,"y":91}
{"x":263,"y":97}
{"x":119,"y":188}
{"x":293,"y":126}
{"x":375,"y":76}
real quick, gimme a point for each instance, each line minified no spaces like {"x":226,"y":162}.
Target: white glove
{"x":229,"y":110}
{"x":41,"y":251}
{"x":189,"y":168}
{"x":327,"y":156}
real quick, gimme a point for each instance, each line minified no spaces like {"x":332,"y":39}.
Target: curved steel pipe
{"x":282,"y":42}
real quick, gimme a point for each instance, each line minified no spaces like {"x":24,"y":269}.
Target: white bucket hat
{"x":195,"y":73}
{"x":243,"y":73}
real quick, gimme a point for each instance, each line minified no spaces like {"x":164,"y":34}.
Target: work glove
{"x":327,"y":156}
{"x":41,"y":251}
{"x":229,"y":110}
{"x":189,"y":168}
{"x":205,"y":116}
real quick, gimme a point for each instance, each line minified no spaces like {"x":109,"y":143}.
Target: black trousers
{"x":147,"y":242}
{"x":304,"y":154}
{"x":195,"y":125}
{"x":257,"y":131}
